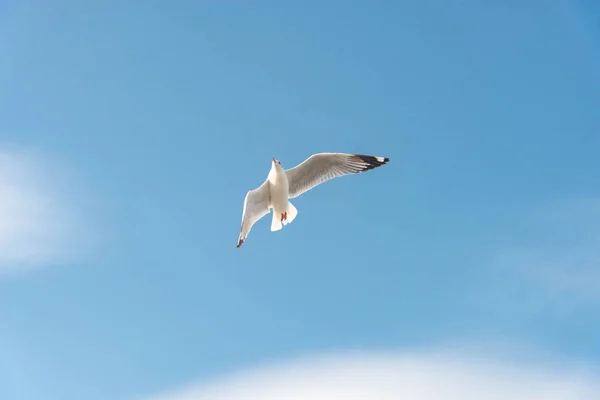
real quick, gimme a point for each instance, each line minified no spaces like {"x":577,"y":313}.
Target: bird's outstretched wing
{"x":322,"y":167}
{"x":256,"y":206}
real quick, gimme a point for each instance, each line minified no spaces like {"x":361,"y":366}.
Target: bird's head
{"x":276,"y":163}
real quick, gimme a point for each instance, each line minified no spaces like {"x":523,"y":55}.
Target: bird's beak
{"x":274,"y":160}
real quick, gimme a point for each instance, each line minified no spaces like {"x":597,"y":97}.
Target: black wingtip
{"x":372,"y":161}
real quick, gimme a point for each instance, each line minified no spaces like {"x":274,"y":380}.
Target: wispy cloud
{"x":557,"y":256}
{"x":439,"y":376}
{"x":38,"y":222}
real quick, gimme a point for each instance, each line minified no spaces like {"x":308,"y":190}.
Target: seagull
{"x":282,"y":185}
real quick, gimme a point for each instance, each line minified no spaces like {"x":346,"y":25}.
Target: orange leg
{"x":284,"y":216}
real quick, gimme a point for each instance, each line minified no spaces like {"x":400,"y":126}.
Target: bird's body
{"x":282,"y":185}
{"x":279,"y":190}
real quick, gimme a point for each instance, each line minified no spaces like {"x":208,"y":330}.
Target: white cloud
{"x":38,"y":220}
{"x":368,"y":376}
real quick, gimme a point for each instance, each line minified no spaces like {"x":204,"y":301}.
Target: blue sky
{"x":131,"y":133}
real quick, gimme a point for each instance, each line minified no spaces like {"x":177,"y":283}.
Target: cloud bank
{"x":38,"y":220}
{"x":381,"y":376}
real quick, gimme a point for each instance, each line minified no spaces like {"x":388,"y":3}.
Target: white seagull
{"x":282,"y":185}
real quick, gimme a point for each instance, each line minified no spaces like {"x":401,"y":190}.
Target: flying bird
{"x":282,"y":185}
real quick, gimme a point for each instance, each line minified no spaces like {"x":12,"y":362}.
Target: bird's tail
{"x":276,"y":222}
{"x":291,"y":214}
{"x":279,"y":220}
